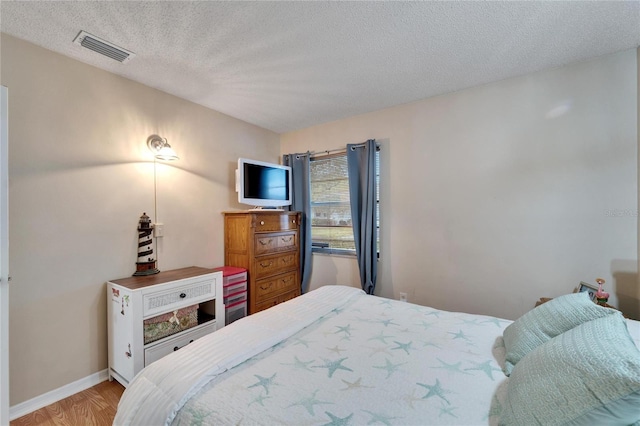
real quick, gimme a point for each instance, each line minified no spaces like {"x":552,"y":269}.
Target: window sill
{"x":336,"y":253}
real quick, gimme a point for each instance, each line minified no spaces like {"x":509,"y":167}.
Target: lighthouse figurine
{"x":146,"y":264}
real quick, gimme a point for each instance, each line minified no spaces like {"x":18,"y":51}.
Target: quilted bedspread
{"x":365,"y":360}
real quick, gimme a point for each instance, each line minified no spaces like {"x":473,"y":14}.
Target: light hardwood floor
{"x":95,"y":406}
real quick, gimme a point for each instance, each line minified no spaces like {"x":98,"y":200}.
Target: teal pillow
{"x":589,"y":375}
{"x":547,"y":321}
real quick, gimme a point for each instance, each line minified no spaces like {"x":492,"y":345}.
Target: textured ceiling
{"x":289,"y":65}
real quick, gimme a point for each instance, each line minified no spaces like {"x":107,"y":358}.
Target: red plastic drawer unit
{"x":233,"y":300}
{"x":235,"y":312}
{"x":232,"y":274}
{"x":234,"y":291}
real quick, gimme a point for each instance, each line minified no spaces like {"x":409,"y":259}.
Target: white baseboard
{"x":56,"y":395}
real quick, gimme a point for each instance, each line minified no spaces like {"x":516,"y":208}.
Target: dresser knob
{"x":294,"y":221}
{"x":182,"y":295}
{"x":262,"y":222}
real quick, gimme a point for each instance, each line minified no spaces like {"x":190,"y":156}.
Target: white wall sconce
{"x":161,"y":148}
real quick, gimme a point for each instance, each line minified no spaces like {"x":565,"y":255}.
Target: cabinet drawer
{"x":271,"y":287}
{"x":276,"y":300}
{"x":176,"y":297}
{"x":287,"y":241}
{"x":274,"y":222}
{"x":266,"y":243}
{"x":165,"y":347}
{"x":271,"y":243}
{"x":272,"y":265}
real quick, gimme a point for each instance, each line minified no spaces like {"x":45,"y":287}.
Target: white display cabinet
{"x":132,"y":300}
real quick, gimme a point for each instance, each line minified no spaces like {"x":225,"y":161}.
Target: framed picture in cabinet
{"x":586,"y":287}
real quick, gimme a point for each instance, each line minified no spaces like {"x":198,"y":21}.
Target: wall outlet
{"x":158,"y":230}
{"x":403,"y":297}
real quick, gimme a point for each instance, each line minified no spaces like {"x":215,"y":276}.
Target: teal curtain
{"x":361,"y":164}
{"x":301,"y":202}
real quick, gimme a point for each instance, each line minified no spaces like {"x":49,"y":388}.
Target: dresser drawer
{"x":287,"y":241}
{"x":165,"y":347}
{"x":186,"y":293}
{"x":271,"y":287}
{"x":268,"y":303}
{"x":274,"y":222}
{"x":271,"y":243}
{"x":271,"y":265}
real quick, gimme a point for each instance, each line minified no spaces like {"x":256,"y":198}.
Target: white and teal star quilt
{"x":340,"y":357}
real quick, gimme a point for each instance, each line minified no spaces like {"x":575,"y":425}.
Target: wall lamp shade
{"x":161,"y":148}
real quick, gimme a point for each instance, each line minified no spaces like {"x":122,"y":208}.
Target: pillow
{"x":547,"y":321}
{"x":634,"y":330}
{"x":589,"y":375}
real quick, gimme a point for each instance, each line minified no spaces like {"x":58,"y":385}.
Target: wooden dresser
{"x":266,"y":244}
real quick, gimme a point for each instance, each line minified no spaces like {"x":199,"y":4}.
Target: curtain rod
{"x":340,"y":150}
{"x":332,"y":151}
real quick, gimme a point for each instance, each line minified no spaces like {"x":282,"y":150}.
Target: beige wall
{"x":498,"y":195}
{"x":80,"y":177}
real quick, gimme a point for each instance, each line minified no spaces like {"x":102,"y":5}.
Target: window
{"x":331,"y":227}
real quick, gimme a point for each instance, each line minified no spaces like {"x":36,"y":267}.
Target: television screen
{"x":263,"y":184}
{"x":267,"y":183}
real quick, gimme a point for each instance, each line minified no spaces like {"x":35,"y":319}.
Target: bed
{"x":338,"y":356}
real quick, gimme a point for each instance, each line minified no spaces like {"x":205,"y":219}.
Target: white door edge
{"x":4,"y":257}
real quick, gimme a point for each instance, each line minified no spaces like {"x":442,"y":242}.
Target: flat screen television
{"x":262,"y":184}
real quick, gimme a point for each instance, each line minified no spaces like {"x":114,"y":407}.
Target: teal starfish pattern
{"x":387,"y":322}
{"x":459,"y":335}
{"x":333,"y":366}
{"x":454,"y":368}
{"x":435,"y":390}
{"x":309,"y":402}
{"x":389,"y":366}
{"x":304,"y":342}
{"x":496,"y":321}
{"x":404,"y":346}
{"x":486,"y":367}
{"x":381,"y":337}
{"x":382,"y":349}
{"x":301,"y":365}
{"x":379,"y":418}
{"x":430,"y":344}
{"x":425,"y":325}
{"x":337,"y":421}
{"x":265,"y":382}
{"x":436,"y":313}
{"x":199,"y":416}
{"x":447,"y":410}
{"x":346,"y":329}
{"x":259,"y":399}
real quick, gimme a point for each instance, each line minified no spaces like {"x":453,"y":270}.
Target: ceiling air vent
{"x":103,"y":47}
